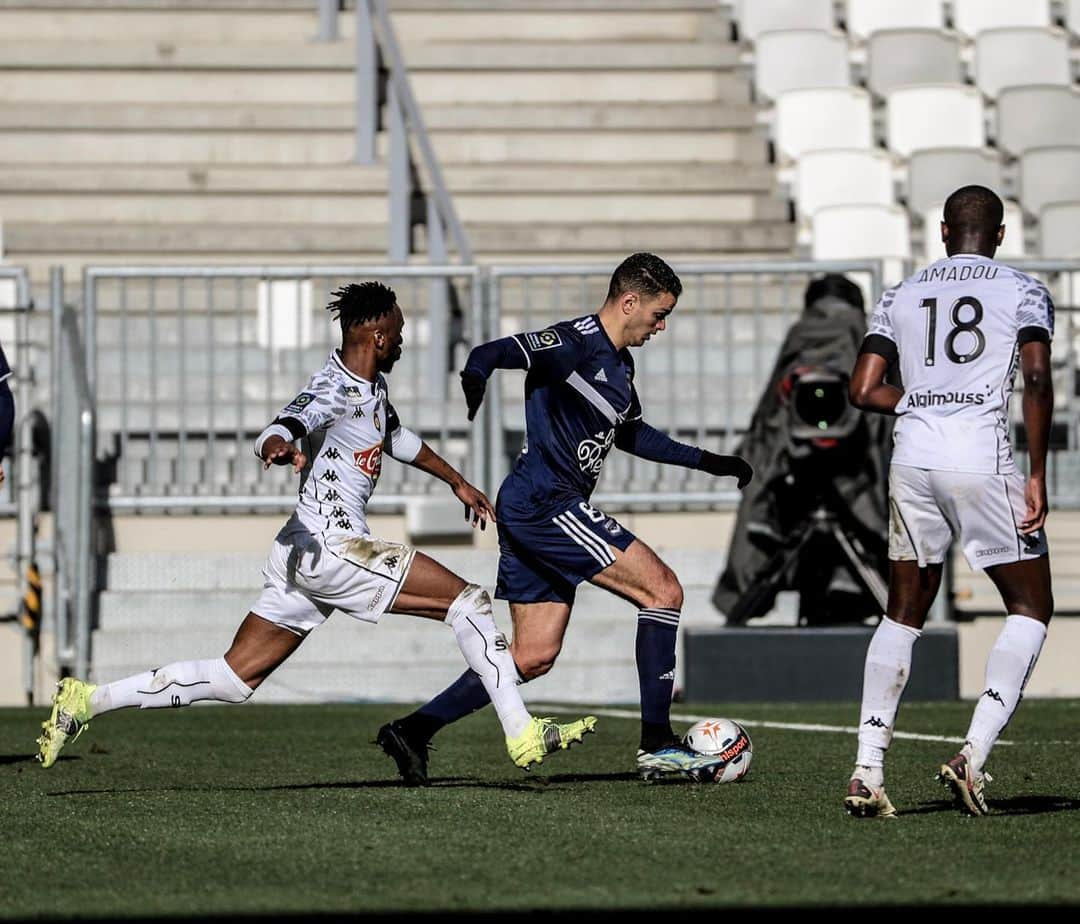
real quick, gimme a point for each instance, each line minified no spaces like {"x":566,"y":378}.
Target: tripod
{"x":822,"y":523}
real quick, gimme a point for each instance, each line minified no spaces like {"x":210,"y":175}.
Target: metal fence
{"x":186,"y":365}
{"x":700,"y":380}
{"x":20,"y":494}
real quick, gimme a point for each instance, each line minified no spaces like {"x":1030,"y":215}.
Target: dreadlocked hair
{"x":358,"y":303}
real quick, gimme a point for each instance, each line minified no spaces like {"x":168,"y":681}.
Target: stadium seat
{"x":1072,"y":15}
{"x":1016,"y":57}
{"x":934,"y":116}
{"x":974,"y":16}
{"x":1037,"y":116}
{"x":1049,"y":175}
{"x":933,"y":173}
{"x":812,"y":120}
{"x":1059,"y":230}
{"x":842,"y":177}
{"x":903,"y":57}
{"x":1012,"y":247}
{"x":863,"y":232}
{"x":798,"y":59}
{"x":865,"y":17}
{"x":757,"y":16}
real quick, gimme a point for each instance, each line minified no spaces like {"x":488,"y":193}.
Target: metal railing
{"x":186,"y":365}
{"x":700,"y":381}
{"x":73,"y":486}
{"x":382,"y":79}
{"x":21,"y":494}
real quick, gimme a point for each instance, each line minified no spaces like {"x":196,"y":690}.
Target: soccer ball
{"x":728,"y":741}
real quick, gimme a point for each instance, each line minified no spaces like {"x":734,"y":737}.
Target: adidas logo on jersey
{"x":600,"y":376}
{"x":586,"y":325}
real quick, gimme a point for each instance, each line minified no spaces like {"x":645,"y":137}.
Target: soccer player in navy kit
{"x":580,"y":401}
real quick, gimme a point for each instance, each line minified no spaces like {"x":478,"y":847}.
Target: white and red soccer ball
{"x":726,"y":740}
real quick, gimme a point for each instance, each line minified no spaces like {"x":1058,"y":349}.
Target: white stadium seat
{"x":974,"y":16}
{"x":757,"y":16}
{"x":812,"y":120}
{"x":842,"y":177}
{"x":1072,"y":15}
{"x":1011,"y":247}
{"x":1015,"y":57}
{"x":865,"y":17}
{"x":933,"y":173}
{"x":858,"y":232}
{"x":1049,"y":175}
{"x":1037,"y":116}
{"x":934,"y":116}
{"x":903,"y":57}
{"x":795,"y":60}
{"x":1059,"y":230}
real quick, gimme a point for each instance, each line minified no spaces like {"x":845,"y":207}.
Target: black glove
{"x":726,"y":465}
{"x":474,"y":385}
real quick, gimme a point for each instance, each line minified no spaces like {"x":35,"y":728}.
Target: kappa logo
{"x":358,"y":412}
{"x":369,"y":460}
{"x":600,"y":376}
{"x":875,"y":722}
{"x":543,"y":340}
{"x":391,"y":561}
{"x":332,"y":453}
{"x":993,"y":694}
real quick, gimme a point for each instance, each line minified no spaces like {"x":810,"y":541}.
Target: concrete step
{"x":144,"y":242}
{"x":169,"y":54}
{"x":505,"y":178}
{"x":105,"y":116}
{"x":288,"y":208}
{"x":337,"y":147}
{"x":446,"y":24}
{"x":338,"y":87}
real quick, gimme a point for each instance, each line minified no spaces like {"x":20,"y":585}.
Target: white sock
{"x":885,"y":674}
{"x":178,"y":684}
{"x":487,"y":652}
{"x":1008,"y":667}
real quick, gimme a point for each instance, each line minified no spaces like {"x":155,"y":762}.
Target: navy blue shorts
{"x":545,"y":556}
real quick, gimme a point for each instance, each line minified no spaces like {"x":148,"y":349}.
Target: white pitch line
{"x":751,"y":723}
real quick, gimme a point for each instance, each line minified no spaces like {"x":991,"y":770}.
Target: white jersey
{"x":349,"y":423}
{"x":957,"y":326}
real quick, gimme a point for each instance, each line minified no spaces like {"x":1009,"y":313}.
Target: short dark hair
{"x":357,"y":303}
{"x":974,"y":209}
{"x":837,"y":286}
{"x":646,"y":274}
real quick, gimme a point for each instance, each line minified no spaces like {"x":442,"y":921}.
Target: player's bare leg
{"x":435,"y":592}
{"x":885,"y":675}
{"x":1025,"y":590}
{"x":258,"y":648}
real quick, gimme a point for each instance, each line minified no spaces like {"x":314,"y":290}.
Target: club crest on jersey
{"x":378,"y":423}
{"x":300,"y":402}
{"x":369,"y":460}
{"x":543,"y":340}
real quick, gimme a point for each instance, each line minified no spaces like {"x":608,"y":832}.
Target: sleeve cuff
{"x":881,"y":345}
{"x":275,"y":429}
{"x":1033,"y":334}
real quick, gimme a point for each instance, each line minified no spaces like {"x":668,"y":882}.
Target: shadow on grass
{"x":528,"y":784}
{"x":6,"y":759}
{"x":1018,"y":805}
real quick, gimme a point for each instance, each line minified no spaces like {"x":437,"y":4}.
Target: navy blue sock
{"x":656,"y":634}
{"x":463,"y":697}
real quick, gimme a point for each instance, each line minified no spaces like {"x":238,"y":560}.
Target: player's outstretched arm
{"x":1038,"y":409}
{"x":476,"y":501}
{"x":645,"y":442}
{"x":484,"y":359}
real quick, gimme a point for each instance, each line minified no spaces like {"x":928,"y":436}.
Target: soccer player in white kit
{"x":325,"y":558}
{"x":958,"y":329}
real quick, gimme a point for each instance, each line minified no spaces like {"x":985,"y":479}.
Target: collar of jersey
{"x":352,"y":375}
{"x":607,"y":339}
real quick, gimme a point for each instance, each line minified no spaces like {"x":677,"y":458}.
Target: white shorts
{"x":307,"y":576}
{"x":928,"y":509}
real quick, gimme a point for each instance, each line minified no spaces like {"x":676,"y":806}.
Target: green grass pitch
{"x":290,"y":809}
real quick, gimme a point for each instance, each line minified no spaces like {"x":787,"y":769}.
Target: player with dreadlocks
{"x":325,"y":558}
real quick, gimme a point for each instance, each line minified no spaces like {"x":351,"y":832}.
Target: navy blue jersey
{"x":578,"y":390}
